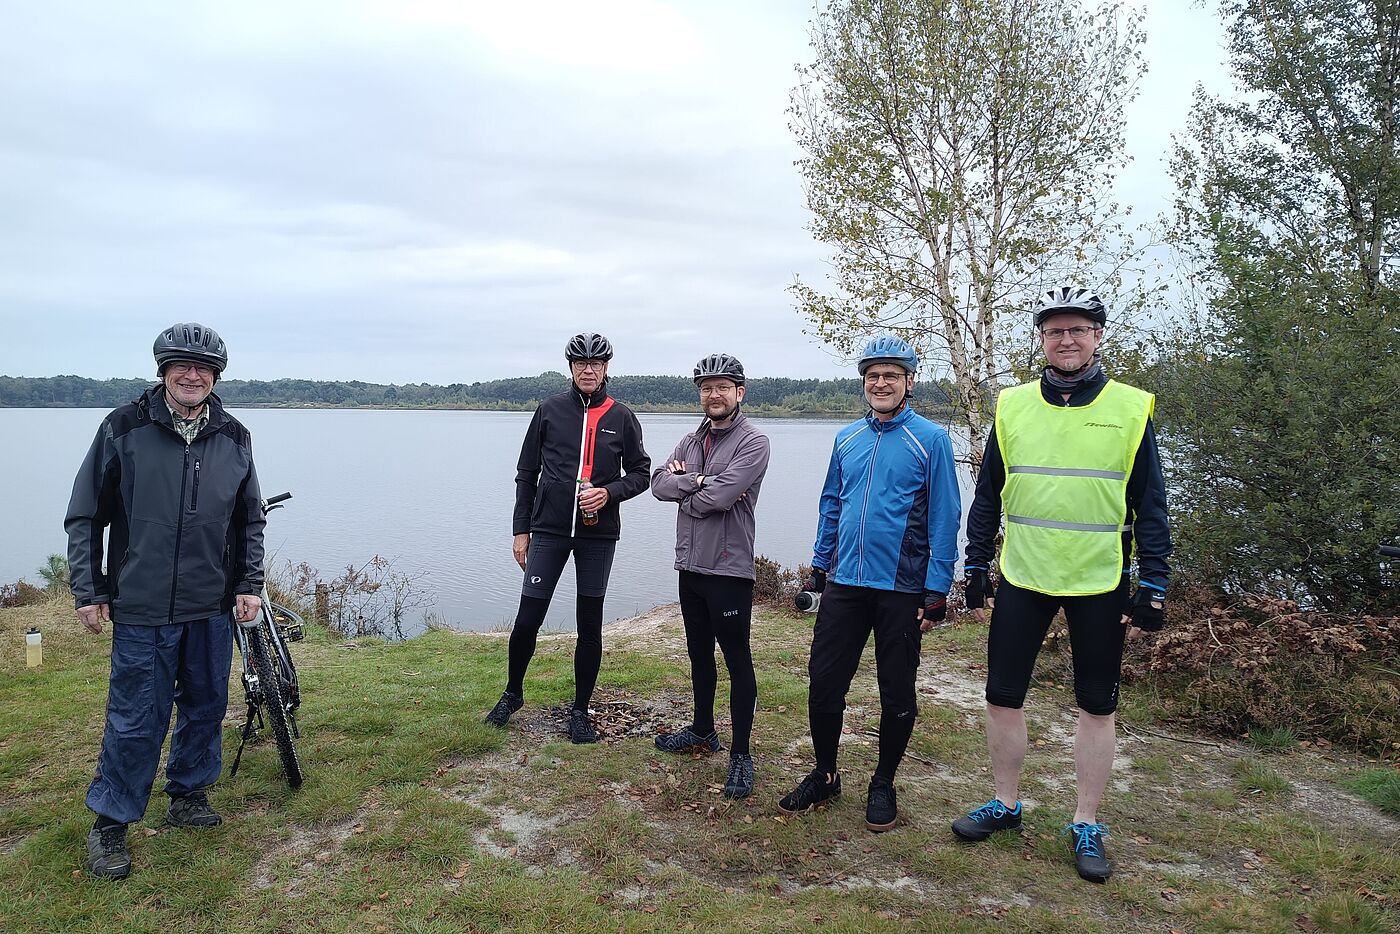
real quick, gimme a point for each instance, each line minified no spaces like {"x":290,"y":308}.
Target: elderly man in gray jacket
{"x":714,"y":474}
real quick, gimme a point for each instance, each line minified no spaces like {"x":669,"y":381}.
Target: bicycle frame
{"x":270,"y":684}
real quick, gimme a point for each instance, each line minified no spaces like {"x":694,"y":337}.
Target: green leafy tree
{"x":958,"y":158}
{"x":1280,"y":401}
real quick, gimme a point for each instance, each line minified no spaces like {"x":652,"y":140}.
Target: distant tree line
{"x":772,"y":395}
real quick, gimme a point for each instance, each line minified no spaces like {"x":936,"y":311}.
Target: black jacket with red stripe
{"x":565,"y":430}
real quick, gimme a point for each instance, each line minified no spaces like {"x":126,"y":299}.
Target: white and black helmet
{"x":1073,"y":300}
{"x":190,"y":341}
{"x":588,"y":347}
{"x":720,"y":365}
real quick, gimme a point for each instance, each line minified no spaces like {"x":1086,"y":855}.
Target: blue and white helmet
{"x":888,"y":349}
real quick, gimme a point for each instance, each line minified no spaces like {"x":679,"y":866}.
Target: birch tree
{"x":959,"y":156}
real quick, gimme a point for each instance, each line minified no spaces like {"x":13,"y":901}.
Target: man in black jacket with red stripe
{"x":581,"y":458}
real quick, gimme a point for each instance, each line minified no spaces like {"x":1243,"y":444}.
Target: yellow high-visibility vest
{"x":1065,"y":495}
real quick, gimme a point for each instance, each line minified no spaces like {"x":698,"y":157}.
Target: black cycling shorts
{"x":1020,"y":620}
{"x":593,"y":558}
{"x":844,"y":623}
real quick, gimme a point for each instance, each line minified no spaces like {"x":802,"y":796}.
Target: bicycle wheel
{"x":270,"y":683}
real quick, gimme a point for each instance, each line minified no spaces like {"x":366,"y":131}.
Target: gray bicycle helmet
{"x":190,"y":340}
{"x":1074,"y":300}
{"x":588,"y":347}
{"x":888,"y":349}
{"x":722,"y":365}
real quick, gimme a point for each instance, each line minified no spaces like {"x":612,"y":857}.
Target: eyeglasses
{"x":722,"y":389}
{"x":595,"y":365}
{"x":1054,"y":334}
{"x":873,"y":378}
{"x":180,"y":369}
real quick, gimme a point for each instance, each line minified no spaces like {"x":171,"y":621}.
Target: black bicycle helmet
{"x":588,"y":347}
{"x":190,"y":341}
{"x":1071,"y":299}
{"x":720,"y":364}
{"x":888,"y":349}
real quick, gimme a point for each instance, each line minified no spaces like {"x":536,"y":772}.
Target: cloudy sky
{"x":430,"y":190}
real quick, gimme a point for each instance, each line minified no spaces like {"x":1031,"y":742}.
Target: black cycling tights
{"x":719,"y":609}
{"x":593,"y":559}
{"x":588,"y":652}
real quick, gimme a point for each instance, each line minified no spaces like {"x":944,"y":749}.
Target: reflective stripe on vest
{"x":1066,"y":486}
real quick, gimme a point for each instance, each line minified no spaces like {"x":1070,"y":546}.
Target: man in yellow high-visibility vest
{"x":1072,"y":463}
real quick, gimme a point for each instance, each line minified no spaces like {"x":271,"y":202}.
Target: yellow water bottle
{"x":33,"y":648}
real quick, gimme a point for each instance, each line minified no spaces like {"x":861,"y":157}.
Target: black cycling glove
{"x":935,"y":606}
{"x":978,"y":588}
{"x":817,"y":582}
{"x":1145,"y":616}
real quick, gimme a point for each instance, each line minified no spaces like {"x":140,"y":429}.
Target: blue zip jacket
{"x":890,"y":507}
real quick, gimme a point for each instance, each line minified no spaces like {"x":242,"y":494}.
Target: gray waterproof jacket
{"x":715,"y":525}
{"x":186,"y":519}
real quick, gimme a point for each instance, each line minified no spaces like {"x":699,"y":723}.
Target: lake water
{"x":431,"y":490}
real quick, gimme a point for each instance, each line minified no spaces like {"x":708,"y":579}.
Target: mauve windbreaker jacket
{"x":715,"y":525}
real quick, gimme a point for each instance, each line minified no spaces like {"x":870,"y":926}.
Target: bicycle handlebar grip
{"x":1391,"y":551}
{"x":280,"y":497}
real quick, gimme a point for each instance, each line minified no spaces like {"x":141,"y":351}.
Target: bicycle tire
{"x":270,"y":683}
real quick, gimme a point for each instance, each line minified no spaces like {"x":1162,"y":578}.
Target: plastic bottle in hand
{"x":589,"y":518}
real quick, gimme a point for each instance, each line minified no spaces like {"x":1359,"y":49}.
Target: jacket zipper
{"x":194,"y":494}
{"x":864,"y":506}
{"x":179,"y":530}
{"x":578,"y":473}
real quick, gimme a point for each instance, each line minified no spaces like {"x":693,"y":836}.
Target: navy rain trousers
{"x":154,"y":667}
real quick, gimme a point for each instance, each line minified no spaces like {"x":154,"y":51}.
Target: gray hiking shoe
{"x":108,"y":856}
{"x":192,"y":810}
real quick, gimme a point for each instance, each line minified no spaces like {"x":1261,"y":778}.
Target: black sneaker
{"x":687,"y":740}
{"x":1089,"y":856}
{"x":739,"y":784}
{"x":192,"y":810}
{"x":813,"y":790}
{"x":509,"y":703}
{"x":108,"y":857}
{"x":987,"y":820}
{"x":881,"y":812}
{"x":580,"y":727}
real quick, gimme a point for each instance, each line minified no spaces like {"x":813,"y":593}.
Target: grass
{"x":416,"y":817}
{"x":1381,"y":787}
{"x":1273,"y":739}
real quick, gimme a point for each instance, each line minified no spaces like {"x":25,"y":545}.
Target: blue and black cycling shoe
{"x":687,"y":740}
{"x":1089,"y":856}
{"x":813,"y":790}
{"x":739,"y":784}
{"x":987,"y":820}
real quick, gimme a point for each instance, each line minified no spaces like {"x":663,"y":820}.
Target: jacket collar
{"x":905,"y":414}
{"x":739,"y":419}
{"x":587,"y":401}
{"x":152,"y":401}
